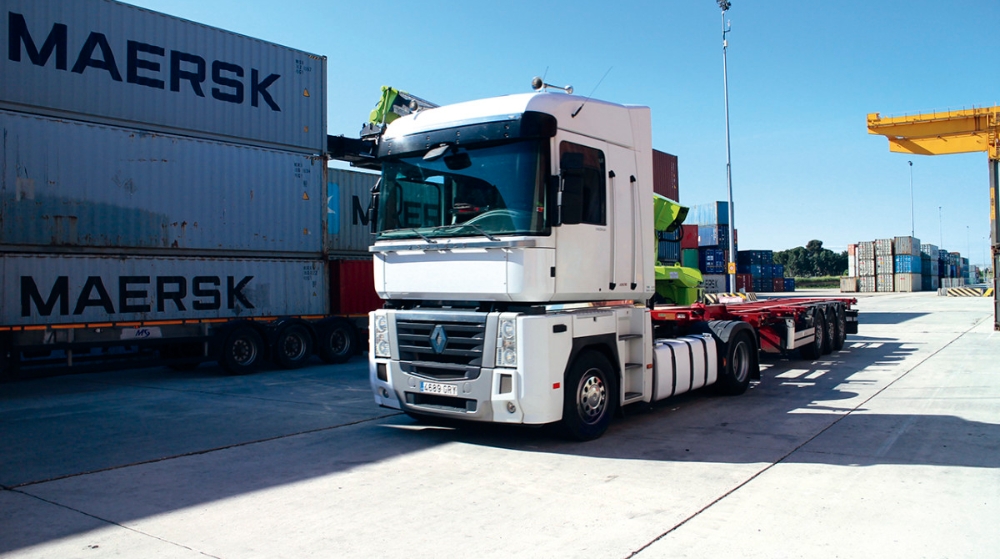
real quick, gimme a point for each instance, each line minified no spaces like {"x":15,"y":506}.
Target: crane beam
{"x":940,"y":133}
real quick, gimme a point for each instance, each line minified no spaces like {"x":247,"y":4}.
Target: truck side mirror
{"x":571,"y":202}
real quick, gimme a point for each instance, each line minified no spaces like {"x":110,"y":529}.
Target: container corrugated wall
{"x":665,"y":181}
{"x":907,"y":283}
{"x":112,"y":62}
{"x":348,"y":195}
{"x":352,"y":287}
{"x":73,"y":184}
{"x":61,"y":289}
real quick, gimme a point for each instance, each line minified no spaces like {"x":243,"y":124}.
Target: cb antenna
{"x":537,"y":84}
{"x":580,"y":108}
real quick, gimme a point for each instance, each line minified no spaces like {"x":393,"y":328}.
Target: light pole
{"x":911,"y":198}
{"x":724,"y":5}
{"x":941,"y":225}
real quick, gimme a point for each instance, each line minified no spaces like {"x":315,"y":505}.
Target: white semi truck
{"x":516,"y":254}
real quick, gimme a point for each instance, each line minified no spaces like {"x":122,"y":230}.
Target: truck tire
{"x":338,"y":341}
{"x":242,"y":351}
{"x":739,"y":362}
{"x":840,"y":324}
{"x":829,"y":328}
{"x":814,"y":349}
{"x":293,"y":346}
{"x":590,"y":396}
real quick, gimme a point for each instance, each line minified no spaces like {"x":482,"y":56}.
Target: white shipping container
{"x":715,"y":283}
{"x":848,"y":284}
{"x":62,"y":289}
{"x":907,"y":245}
{"x":348,"y":197}
{"x":866,"y":284}
{"x":884,"y":283}
{"x":100,"y":60}
{"x":852,"y":261}
{"x":866,"y":267}
{"x":73,"y":184}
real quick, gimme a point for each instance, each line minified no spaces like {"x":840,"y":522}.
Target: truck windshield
{"x":452,"y":190}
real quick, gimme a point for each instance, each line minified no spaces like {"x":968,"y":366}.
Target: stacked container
{"x":765,"y":275}
{"x":906,"y":264}
{"x":712,"y":222}
{"x":929,"y":267}
{"x":866,"y":267}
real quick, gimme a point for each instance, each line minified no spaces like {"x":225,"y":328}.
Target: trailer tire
{"x":814,"y":349}
{"x":293,"y":346}
{"x":830,"y":325}
{"x":590,"y":396}
{"x":242,"y":351}
{"x":739,"y":364}
{"x":338,"y":341}
{"x":841,"y":327}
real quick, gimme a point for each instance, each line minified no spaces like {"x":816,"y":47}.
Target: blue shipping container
{"x":907,"y":264}
{"x":669,"y":252}
{"x":778,"y":270}
{"x":712,"y":260}
{"x":714,"y":213}
{"x":713,"y":235}
{"x":789,"y":284}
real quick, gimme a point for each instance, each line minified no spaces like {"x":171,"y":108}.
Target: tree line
{"x":812,"y":260}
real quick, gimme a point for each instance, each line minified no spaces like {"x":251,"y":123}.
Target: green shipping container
{"x":689,"y":258}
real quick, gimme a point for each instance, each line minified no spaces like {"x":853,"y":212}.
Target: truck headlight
{"x":381,"y":336}
{"x":507,"y":343}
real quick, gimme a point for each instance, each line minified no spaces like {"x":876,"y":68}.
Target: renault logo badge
{"x":438,"y":339}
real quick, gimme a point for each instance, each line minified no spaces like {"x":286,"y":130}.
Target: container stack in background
{"x":711,"y":222}
{"x":760,"y":274}
{"x":902,"y":264}
{"x":666,"y":184}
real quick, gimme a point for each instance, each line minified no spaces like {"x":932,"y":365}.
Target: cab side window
{"x":585,"y":190}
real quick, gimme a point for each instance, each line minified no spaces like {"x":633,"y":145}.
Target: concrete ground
{"x":889,"y":448}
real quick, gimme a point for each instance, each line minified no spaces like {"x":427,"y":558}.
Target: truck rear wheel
{"x":814,"y":349}
{"x":590,"y":396}
{"x":840,"y":324}
{"x":293,"y":346}
{"x":242,"y":351}
{"x":338,"y":341}
{"x":829,"y":329}
{"x":735,"y":377}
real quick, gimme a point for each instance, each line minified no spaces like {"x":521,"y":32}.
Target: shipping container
{"x":906,"y":264}
{"x":761,"y":285}
{"x":744,"y":283}
{"x":715,"y":283}
{"x":689,"y":258}
{"x":885,"y":282}
{"x":929,"y":250}
{"x":104,"y":61}
{"x":712,"y":261}
{"x":45,"y":289}
{"x":906,"y":283}
{"x":713,"y":213}
{"x":689,"y":238}
{"x":789,"y":284}
{"x":352,"y":287}
{"x":713,"y":235}
{"x":866,"y":284}
{"x":866,"y":267}
{"x":668,"y":252}
{"x":757,"y":257}
{"x":665,"y":180}
{"x":778,"y":270}
{"x":906,"y":245}
{"x":929,"y":283}
{"x":885,"y":264}
{"x":73,"y":185}
{"x":778,"y":285}
{"x":348,"y":196}
{"x":866,"y":250}
{"x":883,"y":247}
{"x":848,"y":284}
{"x":852,"y":260}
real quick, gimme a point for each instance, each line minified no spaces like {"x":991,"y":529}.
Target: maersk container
{"x":47,"y":289}
{"x":87,"y":186}
{"x":348,"y":196}
{"x":104,"y":61}
{"x":715,"y":283}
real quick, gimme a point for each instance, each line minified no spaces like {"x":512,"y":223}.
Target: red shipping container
{"x":779,"y":285}
{"x":352,"y":287}
{"x":690,"y":236}
{"x":744,"y":282}
{"x":665,"y":181}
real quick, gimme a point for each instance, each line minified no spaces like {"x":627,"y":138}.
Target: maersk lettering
{"x":171,"y":293}
{"x":145,"y":64}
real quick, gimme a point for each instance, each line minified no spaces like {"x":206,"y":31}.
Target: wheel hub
{"x":593,"y":397}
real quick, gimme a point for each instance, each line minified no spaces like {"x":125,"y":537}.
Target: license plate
{"x":438,"y":388}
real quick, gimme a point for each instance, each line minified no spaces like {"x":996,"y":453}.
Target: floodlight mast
{"x":731,"y":260}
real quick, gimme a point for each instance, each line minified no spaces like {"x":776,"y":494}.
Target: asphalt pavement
{"x":888,"y":448}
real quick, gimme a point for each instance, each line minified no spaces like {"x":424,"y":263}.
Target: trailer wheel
{"x":829,"y":327}
{"x":242,"y":351}
{"x":735,"y":376}
{"x":590,"y":396}
{"x":814,"y":349}
{"x":338,"y":341}
{"x":840,"y":323}
{"x":292,"y":347}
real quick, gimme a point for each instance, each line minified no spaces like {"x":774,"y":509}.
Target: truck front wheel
{"x":590,"y":396}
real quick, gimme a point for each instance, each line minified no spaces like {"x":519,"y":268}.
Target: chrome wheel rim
{"x":592,"y":397}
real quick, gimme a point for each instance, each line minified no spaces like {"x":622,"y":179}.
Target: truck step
{"x":633,"y":365}
{"x":632,"y":396}
{"x":625,"y":337}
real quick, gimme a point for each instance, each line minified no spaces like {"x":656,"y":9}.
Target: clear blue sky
{"x":802,"y":78}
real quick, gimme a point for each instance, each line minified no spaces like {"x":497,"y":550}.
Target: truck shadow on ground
{"x":802,"y":412}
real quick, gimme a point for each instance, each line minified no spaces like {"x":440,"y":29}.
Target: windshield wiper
{"x":424,"y":237}
{"x":481,"y":232}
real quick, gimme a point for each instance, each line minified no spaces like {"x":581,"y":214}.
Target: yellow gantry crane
{"x":940,"y":133}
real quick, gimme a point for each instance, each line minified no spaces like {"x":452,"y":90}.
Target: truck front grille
{"x":461,"y":343}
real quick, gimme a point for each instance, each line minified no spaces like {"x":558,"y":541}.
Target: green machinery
{"x":674,"y":284}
